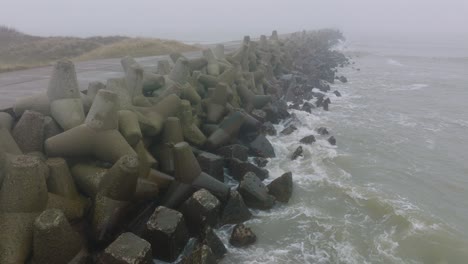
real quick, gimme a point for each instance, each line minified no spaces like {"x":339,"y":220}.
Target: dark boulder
{"x":261,"y":162}
{"x":325,"y":104}
{"x":235,"y":211}
{"x":261,"y":147}
{"x":288,"y":130}
{"x":295,"y":106}
{"x":322,"y":131}
{"x":242,"y":236}
{"x":211,"y":239}
{"x":212,"y":164}
{"x":259,"y":114}
{"x":238,"y":169}
{"x":127,"y":249}
{"x":297,"y":153}
{"x":268,"y":129}
{"x":338,"y":94}
{"x":202,"y":254}
{"x":343,"y":79}
{"x":167,"y":233}
{"x":255,"y":193}
{"x":281,"y":187}
{"x":332,"y":140}
{"x":307,"y":107}
{"x":276,"y":111}
{"x":308,"y":139}
{"x":200,"y":210}
{"x":234,"y":151}
{"x":319,"y":101}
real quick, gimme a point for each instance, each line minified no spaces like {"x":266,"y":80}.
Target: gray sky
{"x":217,"y":20}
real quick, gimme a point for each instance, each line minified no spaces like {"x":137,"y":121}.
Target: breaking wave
{"x":331,"y":218}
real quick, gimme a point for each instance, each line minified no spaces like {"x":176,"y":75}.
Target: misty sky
{"x":218,"y":20}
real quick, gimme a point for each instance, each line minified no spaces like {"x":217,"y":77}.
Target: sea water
{"x":395,"y":187}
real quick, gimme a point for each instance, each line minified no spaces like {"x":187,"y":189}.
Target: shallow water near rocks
{"x":394,"y":189}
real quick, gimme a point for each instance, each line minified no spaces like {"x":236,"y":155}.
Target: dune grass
{"x":21,"y":51}
{"x":137,"y":47}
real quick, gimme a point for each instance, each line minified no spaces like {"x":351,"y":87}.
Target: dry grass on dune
{"x":21,"y":51}
{"x":137,"y":47}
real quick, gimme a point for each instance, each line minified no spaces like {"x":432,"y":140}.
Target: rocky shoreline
{"x":146,"y":166}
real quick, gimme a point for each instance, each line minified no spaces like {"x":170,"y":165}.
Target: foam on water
{"x":331,"y":218}
{"x":394,"y":63}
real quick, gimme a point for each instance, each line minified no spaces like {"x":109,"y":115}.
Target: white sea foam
{"x":394,"y":63}
{"x":331,"y":218}
{"x":410,"y":87}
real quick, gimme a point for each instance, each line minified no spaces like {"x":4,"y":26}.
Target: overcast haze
{"x":211,"y":20}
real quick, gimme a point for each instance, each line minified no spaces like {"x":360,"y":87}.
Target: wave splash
{"x":332,"y":219}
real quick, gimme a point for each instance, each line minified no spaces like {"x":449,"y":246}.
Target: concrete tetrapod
{"x":134,"y":78}
{"x":164,"y":67}
{"x":180,"y":73}
{"x":191,"y":132}
{"x":88,"y":178}
{"x":216,"y":108}
{"x":213,"y":67}
{"x":63,"y":194}
{"x":152,"y":118}
{"x":8,"y":144}
{"x":189,"y":176}
{"x":98,"y":136}
{"x":23,"y":196}
{"x":226,"y":131}
{"x":116,"y":189}
{"x":39,"y":103}
{"x":54,"y":239}
{"x":129,"y":127}
{"x":251,"y":100}
{"x":64,"y":96}
{"x":171,"y":135}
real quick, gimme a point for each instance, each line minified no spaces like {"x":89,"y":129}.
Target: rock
{"x":235,"y":211}
{"x":297,"y":153}
{"x":343,"y":79}
{"x":276,"y":111}
{"x":242,"y":236}
{"x":338,"y":94}
{"x":295,"y":106}
{"x":214,"y":242}
{"x":322,"y":131}
{"x":127,"y":249}
{"x":260,"y":115}
{"x":167,"y":233}
{"x":212,"y":164}
{"x":268,"y":128}
{"x":308,"y":139}
{"x":288,"y":130}
{"x":325,"y":104}
{"x":255,"y":193}
{"x":261,"y":162}
{"x":319,"y":101}
{"x":261,"y":147}
{"x":238,"y":169}
{"x":200,"y":210}
{"x":29,"y":132}
{"x":332,"y":140}
{"x":233,"y":151}
{"x":201,"y":255}
{"x":54,"y":239}
{"x":307,"y":107}
{"x":281,"y":187}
